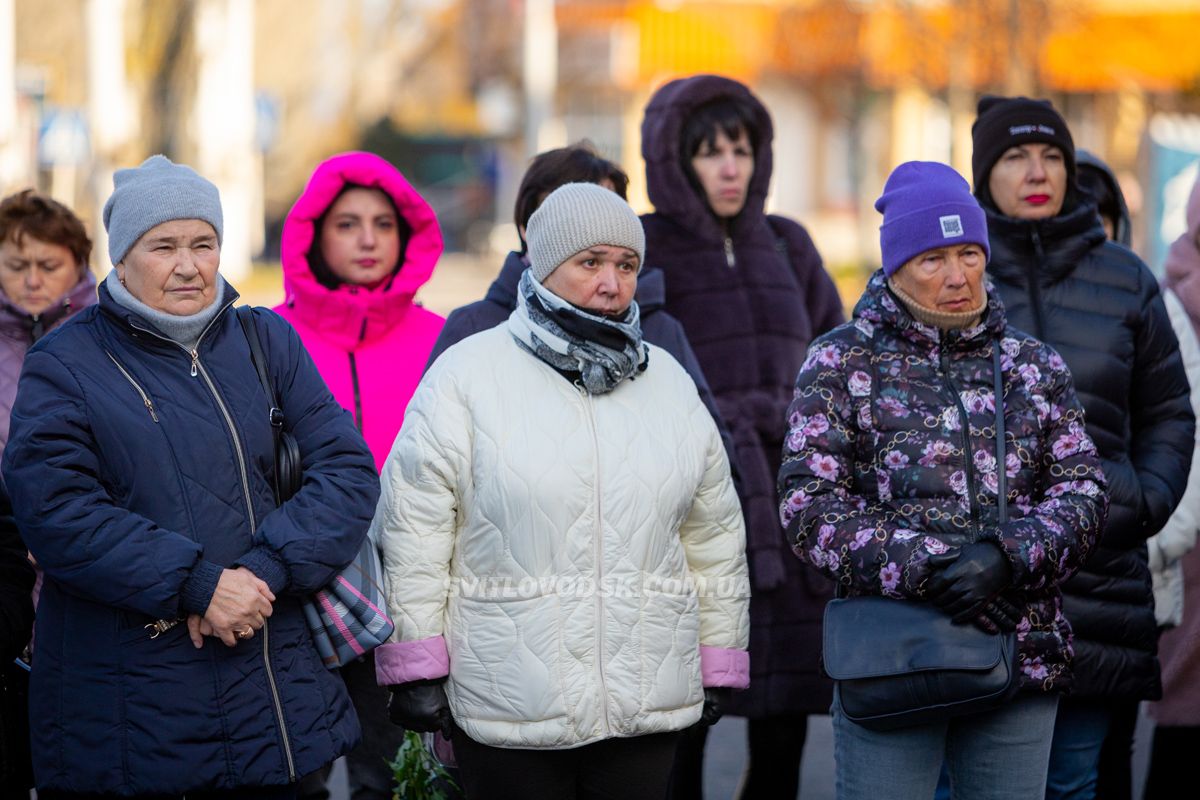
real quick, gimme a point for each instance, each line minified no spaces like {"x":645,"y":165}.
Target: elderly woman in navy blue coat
{"x":172,"y":653}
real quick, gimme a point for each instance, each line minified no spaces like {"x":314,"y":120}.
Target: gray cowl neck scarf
{"x":604,"y":351}
{"x":183,"y":330}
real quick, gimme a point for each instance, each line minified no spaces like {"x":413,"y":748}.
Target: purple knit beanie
{"x":927,"y":205}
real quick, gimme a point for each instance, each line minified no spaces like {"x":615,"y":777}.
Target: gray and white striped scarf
{"x":605,"y":351}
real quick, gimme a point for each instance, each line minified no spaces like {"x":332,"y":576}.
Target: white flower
{"x":860,"y":384}
{"x":958,"y":482}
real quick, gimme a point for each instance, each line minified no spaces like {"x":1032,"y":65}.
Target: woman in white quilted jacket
{"x":563,"y":545}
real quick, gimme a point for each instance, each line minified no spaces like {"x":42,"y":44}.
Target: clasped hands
{"x":239,"y":607}
{"x":967,"y":583}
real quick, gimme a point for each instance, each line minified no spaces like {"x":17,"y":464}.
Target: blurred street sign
{"x":63,"y":138}
{"x":1174,"y":152}
{"x":266,"y":120}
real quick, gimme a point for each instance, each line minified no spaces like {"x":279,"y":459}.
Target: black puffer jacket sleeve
{"x":1161,"y":420}
{"x":16,"y":584}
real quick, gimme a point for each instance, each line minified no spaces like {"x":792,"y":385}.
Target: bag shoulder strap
{"x":998,"y":402}
{"x":245,"y":315}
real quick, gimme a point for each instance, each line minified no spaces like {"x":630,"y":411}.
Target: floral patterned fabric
{"x":891,"y":457}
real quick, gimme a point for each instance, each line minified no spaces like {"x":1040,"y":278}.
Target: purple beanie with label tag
{"x":927,"y":205}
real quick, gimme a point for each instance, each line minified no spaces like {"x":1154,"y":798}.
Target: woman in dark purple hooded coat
{"x":751,"y":293}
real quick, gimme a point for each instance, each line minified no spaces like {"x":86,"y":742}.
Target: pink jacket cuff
{"x":723,"y":666}
{"x":401,"y":662}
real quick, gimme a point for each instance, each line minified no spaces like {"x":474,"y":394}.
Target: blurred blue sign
{"x":266,"y":120}
{"x":63,"y":138}
{"x":1174,"y":151}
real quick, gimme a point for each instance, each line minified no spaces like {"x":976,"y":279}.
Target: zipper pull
{"x":161,"y":626}
{"x":150,"y":408}
{"x":729,"y":257}
{"x":195,"y":362}
{"x":1037,"y":245}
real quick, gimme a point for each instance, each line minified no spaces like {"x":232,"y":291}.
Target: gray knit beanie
{"x":155,"y":192}
{"x":576,"y":216}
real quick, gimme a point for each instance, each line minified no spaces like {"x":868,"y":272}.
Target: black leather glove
{"x":716,"y":698}
{"x":421,"y":706}
{"x":998,"y":615}
{"x":967,"y":578}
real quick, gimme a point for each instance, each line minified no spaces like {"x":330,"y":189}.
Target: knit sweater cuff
{"x":199,"y":586}
{"x":266,"y":564}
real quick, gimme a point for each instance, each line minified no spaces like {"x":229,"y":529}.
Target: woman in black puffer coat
{"x":1098,"y":305}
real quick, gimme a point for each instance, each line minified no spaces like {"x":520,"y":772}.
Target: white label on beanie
{"x":951,"y":226}
{"x":1019,"y":130}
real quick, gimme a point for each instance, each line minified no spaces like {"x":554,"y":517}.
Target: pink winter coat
{"x":370,"y":345}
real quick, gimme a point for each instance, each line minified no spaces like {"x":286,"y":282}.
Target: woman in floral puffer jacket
{"x":889,"y":485}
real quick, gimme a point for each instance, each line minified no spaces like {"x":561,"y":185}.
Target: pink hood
{"x":351,"y":315}
{"x":1182,"y":267}
{"x":370,"y":345}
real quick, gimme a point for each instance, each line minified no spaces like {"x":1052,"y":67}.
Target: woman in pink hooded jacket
{"x":357,"y":245}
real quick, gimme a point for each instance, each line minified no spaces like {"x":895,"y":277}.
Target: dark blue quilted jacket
{"x":137,"y":472}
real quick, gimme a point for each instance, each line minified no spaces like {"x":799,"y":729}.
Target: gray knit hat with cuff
{"x":576,"y":216}
{"x":156,"y":191}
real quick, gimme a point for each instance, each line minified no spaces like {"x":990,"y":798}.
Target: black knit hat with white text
{"x":1004,"y":122}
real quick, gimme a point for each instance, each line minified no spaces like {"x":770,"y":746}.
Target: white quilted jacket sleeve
{"x":1178,"y":536}
{"x":714,"y":541}
{"x":415,"y":522}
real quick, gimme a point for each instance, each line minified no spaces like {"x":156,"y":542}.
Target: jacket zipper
{"x":358,"y":412}
{"x":1035,"y":292}
{"x":198,"y":369}
{"x":287,"y":745}
{"x":237,"y":442}
{"x":730,"y":259}
{"x":591,"y":412}
{"x":145,"y":397}
{"x":968,"y":455}
{"x":237,"y":445}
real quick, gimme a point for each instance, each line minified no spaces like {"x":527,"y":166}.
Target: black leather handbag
{"x":900,"y":663}
{"x":289,"y":468}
